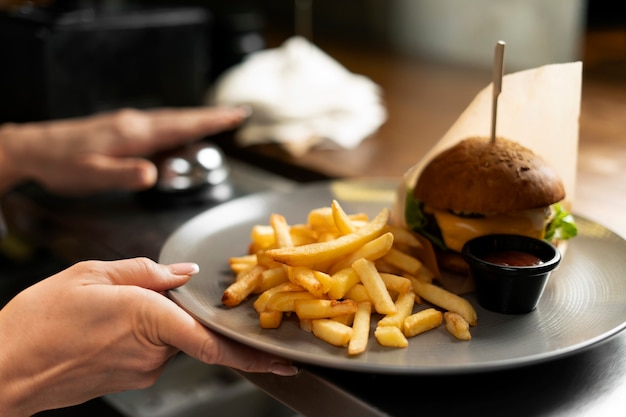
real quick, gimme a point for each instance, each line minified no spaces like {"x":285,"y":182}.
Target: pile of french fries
{"x":338,"y":273}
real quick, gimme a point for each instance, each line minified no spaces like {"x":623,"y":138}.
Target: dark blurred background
{"x":74,"y":57}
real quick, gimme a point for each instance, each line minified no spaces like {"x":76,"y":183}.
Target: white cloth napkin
{"x":300,"y":98}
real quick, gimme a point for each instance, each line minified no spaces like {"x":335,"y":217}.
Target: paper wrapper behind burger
{"x":537,"y":108}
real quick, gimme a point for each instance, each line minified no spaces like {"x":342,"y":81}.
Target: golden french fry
{"x":286,"y":301}
{"x":323,"y":309}
{"x":426,"y":275}
{"x":375,"y":286}
{"x":402,"y":261}
{"x":321,"y":219}
{"x":262,"y":236}
{"x":324,"y":279}
{"x":270,"y":319}
{"x":302,"y":234}
{"x":263,"y":259}
{"x":360,"y":328}
{"x":341,"y":219}
{"x":331,"y":331}
{"x":249,"y":260}
{"x":372,"y":250}
{"x":403,"y":236}
{"x":240,"y":268}
{"x":445,"y":299}
{"x":358,"y":293}
{"x":271,"y":278}
{"x":322,"y":253}
{"x":281,"y":231}
{"x":306,"y":278}
{"x":457,"y":326}
{"x":346,"y":319}
{"x":404,"y":306}
{"x":239,"y":290}
{"x":341,"y":282}
{"x":390,"y":336}
{"x":260,"y":304}
{"x":396,"y":283}
{"x":421,"y":322}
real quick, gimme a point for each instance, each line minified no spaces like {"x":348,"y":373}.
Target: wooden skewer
{"x":304,"y":19}
{"x":498,"y":72}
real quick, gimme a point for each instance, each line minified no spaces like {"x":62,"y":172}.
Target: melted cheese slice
{"x":457,"y":230}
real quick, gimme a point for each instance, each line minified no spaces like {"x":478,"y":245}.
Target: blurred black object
{"x":75,"y":58}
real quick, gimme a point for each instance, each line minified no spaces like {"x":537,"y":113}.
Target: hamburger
{"x":480,"y":187}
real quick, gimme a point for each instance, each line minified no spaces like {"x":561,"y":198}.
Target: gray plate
{"x":584,"y":302}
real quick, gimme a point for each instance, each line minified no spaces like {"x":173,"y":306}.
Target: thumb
{"x":145,"y":273}
{"x":179,"y":329}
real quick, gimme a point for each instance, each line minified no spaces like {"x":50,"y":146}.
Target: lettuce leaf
{"x":421,"y":223}
{"x":562,"y":225}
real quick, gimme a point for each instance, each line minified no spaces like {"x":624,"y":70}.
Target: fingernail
{"x":184,"y":268}
{"x":283,"y":369}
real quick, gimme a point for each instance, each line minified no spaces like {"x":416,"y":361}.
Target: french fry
{"x":341,"y":282}
{"x":263,"y":259}
{"x":241,"y":263}
{"x":306,"y":278}
{"x":322,"y":253}
{"x":372,"y":250}
{"x":271,"y":278}
{"x":239,"y":290}
{"x":346,"y":319}
{"x":404,"y":306}
{"x":331,"y":331}
{"x":404,"y":237}
{"x":302,"y":234}
{"x":270,"y":319}
{"x":396,"y":283}
{"x":260,"y":304}
{"x":421,"y":322}
{"x":286,"y":301}
{"x":375,"y":286}
{"x":321,"y":219}
{"x":324,"y":279}
{"x":358,"y":293}
{"x":402,"y":261}
{"x":262,"y":237}
{"x":281,"y":231}
{"x":341,"y":219}
{"x":425,"y":275}
{"x":323,"y":309}
{"x":390,"y":336}
{"x":457,"y":326}
{"x":445,"y":299}
{"x":360,"y":328}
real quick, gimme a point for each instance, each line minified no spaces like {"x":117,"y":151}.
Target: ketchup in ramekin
{"x":510,"y":272}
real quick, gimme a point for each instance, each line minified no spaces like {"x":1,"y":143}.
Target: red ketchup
{"x":512,"y":258}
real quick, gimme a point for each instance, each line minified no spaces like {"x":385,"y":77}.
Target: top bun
{"x":478,"y":176}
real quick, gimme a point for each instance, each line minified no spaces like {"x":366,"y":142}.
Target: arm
{"x":102,"y":327}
